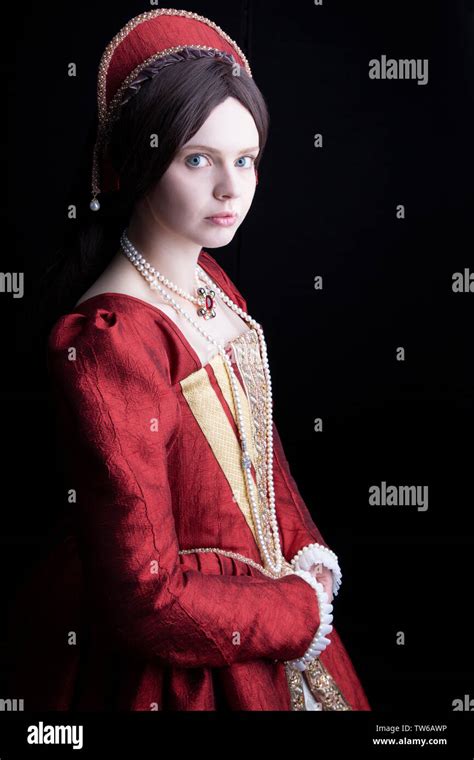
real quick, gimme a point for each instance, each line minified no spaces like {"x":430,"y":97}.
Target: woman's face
{"x":213,"y":173}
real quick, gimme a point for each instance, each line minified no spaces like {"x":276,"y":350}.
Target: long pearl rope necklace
{"x":153,"y":277}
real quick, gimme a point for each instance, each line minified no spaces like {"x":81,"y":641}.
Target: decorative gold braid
{"x":235,"y":555}
{"x":250,"y":364}
{"x":295,"y":686}
{"x":321,"y":685}
{"x":324,"y":688}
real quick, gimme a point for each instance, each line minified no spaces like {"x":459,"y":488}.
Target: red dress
{"x":123,"y":614}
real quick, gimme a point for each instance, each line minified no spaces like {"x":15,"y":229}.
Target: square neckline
{"x":187,"y":345}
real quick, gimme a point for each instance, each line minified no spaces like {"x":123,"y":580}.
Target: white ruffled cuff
{"x":319,"y":641}
{"x":313,"y":554}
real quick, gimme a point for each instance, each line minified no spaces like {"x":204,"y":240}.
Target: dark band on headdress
{"x":154,"y":68}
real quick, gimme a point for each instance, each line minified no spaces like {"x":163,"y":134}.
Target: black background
{"x":387,"y":283}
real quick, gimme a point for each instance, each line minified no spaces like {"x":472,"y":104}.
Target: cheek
{"x":181,"y":208}
{"x":169,"y":197}
{"x":180,"y":191}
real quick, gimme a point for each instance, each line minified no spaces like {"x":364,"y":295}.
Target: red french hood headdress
{"x":145,"y":45}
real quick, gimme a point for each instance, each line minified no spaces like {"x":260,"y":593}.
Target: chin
{"x":217,"y":241}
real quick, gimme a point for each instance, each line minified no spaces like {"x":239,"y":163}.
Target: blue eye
{"x":252,"y":159}
{"x":197,"y":156}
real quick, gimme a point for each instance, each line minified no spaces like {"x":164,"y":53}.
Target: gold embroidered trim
{"x":295,"y":685}
{"x":222,"y":377}
{"x":324,"y":688}
{"x":249,"y":361}
{"x":235,"y":555}
{"x":321,"y":685}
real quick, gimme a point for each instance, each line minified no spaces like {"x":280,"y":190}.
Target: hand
{"x":324,"y":576}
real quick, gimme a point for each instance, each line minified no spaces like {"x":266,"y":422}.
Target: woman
{"x":192,"y":576}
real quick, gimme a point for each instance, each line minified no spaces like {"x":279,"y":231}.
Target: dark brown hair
{"x":173,"y":105}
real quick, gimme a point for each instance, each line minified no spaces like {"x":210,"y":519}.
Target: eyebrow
{"x":213,"y":150}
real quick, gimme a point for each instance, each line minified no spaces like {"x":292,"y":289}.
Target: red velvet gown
{"x":124,"y":613}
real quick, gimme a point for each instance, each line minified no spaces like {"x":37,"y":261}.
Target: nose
{"x":227,"y":183}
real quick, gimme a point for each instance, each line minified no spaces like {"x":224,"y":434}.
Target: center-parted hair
{"x":172,"y":105}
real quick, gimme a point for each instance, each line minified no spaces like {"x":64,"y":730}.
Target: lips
{"x":222,"y":215}
{"x":224,"y":219}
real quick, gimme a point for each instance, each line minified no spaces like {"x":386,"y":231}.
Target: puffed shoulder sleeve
{"x":118,"y":421}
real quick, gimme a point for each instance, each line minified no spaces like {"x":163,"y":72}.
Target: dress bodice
{"x":210,"y":410}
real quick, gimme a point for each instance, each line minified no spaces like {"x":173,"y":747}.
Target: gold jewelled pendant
{"x":206,"y":301}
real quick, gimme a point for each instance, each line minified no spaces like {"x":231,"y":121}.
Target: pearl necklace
{"x":153,"y":277}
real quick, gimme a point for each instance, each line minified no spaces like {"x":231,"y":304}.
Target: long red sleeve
{"x":118,"y":414}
